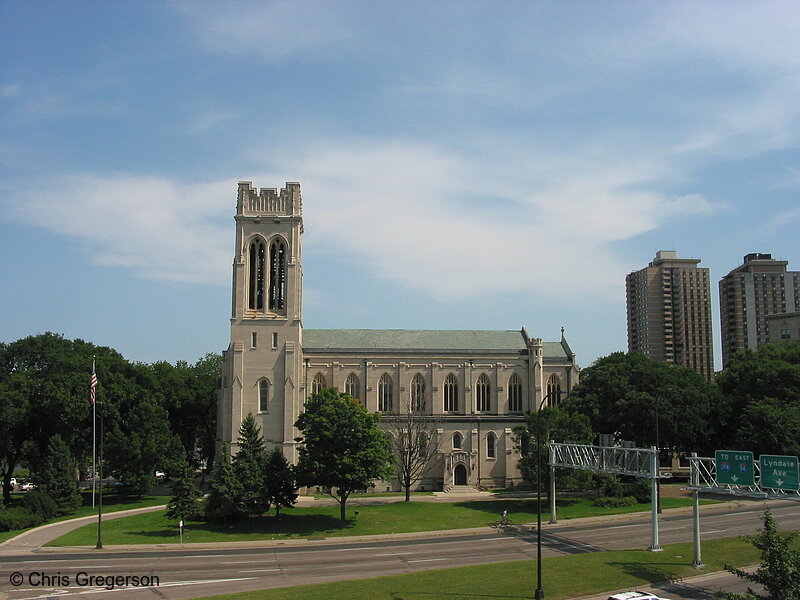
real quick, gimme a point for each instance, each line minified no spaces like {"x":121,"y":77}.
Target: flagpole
{"x":94,"y":434}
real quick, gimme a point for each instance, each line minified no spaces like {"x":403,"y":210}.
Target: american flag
{"x":92,"y":385}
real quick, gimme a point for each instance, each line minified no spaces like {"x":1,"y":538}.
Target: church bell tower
{"x":262,"y":365}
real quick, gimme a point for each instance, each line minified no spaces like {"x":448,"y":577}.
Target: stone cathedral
{"x":477,"y":385}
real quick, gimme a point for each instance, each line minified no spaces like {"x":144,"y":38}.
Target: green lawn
{"x":562,"y":576}
{"x":399,"y":517}
{"x":111,"y":503}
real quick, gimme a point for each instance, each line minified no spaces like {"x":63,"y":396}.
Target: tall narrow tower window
{"x":515,"y":394}
{"x":418,"y":393}
{"x":277,"y":275}
{"x":450,"y":393}
{"x":263,"y":395}
{"x":255,"y":298}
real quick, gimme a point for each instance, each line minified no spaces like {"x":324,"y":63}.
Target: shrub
{"x":641,"y":489}
{"x":613,"y":502}
{"x":40,"y":503}
{"x":18,"y":518}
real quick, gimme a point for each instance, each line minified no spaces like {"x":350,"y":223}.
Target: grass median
{"x":563,"y":576}
{"x":112,"y":502}
{"x":323,"y":521}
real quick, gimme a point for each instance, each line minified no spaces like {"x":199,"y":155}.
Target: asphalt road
{"x":195,"y":573}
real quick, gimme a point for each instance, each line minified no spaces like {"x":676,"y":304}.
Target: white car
{"x":634,"y":596}
{"x":13,"y":483}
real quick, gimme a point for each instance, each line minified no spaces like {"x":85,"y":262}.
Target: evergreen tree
{"x":281,"y":485}
{"x":779,"y":571}
{"x":183,"y":504}
{"x":249,"y":467}
{"x":58,"y":476}
{"x":224,"y":490}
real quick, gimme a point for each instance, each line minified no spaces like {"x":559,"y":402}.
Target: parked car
{"x":634,"y":596}
{"x":27,"y":486}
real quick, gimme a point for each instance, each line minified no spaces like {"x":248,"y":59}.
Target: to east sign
{"x":734,"y":467}
{"x":779,"y":472}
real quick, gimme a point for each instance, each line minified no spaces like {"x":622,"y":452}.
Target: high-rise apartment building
{"x":759,"y":287}
{"x":669,"y":312}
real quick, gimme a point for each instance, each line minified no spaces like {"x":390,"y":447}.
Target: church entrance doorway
{"x":460,"y":475}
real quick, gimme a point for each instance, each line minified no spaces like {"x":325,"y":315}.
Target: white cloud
{"x":435,"y":221}
{"x":445,"y":224}
{"x":157,"y":228}
{"x":273,"y":31}
{"x":9,"y":90}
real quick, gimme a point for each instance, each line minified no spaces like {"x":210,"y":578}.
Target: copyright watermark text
{"x":81,"y":579}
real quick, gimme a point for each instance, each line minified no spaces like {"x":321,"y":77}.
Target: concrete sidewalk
{"x":34,"y":539}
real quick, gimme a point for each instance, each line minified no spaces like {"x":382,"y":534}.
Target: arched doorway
{"x":460,"y":475}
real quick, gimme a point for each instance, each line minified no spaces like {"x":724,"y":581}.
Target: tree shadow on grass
{"x":287,"y":525}
{"x":405,"y":595}
{"x":515,"y":507}
{"x":651,"y":572}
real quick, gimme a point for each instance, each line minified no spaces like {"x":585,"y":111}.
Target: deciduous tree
{"x":779,"y":571}
{"x":342,"y":449}
{"x":649,"y":403}
{"x":415,"y":443}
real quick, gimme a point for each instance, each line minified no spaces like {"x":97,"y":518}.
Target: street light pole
{"x":539,"y":590}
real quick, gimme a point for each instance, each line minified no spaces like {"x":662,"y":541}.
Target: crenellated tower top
{"x":254,"y":202}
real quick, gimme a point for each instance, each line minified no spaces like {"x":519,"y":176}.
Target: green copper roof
{"x":412,"y":339}
{"x":420,"y":340}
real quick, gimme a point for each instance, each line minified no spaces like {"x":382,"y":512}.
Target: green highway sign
{"x":779,"y":472}
{"x":734,"y":467}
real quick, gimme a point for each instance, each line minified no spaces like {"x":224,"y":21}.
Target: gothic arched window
{"x":255,"y":297}
{"x":277,"y":275}
{"x":385,"y":393}
{"x":482,"y":398}
{"x":515,"y":394}
{"x":263,"y":395}
{"x":458,"y":441}
{"x":554,"y":390}
{"x":318,"y":383}
{"x":351,"y":386}
{"x":418,"y":393}
{"x":450,"y":393}
{"x":491,"y":443}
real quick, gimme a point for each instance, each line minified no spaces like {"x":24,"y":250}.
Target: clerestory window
{"x":418,"y":393}
{"x":351,"y":387}
{"x":515,"y":394}
{"x":450,"y":393}
{"x":385,"y":393}
{"x":482,"y":398}
{"x":554,"y":390}
{"x":318,"y":383}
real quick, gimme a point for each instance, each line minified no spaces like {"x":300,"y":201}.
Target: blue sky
{"x":464,"y":165}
